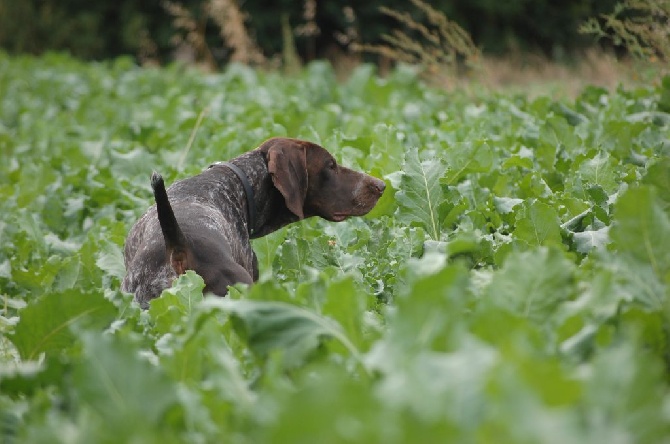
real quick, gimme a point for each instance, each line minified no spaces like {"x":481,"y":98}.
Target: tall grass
{"x":642,"y":27}
{"x":231,"y":23}
{"x":435,"y":43}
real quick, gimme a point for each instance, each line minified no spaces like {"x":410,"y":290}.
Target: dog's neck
{"x":267,"y":199}
{"x":248,"y":192}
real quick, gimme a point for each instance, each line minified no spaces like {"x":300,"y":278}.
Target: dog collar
{"x":248,"y":191}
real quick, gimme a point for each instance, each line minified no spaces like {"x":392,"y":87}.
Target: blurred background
{"x":443,"y":36}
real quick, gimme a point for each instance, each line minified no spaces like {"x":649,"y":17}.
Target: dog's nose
{"x":378,"y":185}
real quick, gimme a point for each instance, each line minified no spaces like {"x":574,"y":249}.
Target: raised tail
{"x":175,"y":241}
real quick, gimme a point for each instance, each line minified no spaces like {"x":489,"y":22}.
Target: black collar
{"x":248,"y":191}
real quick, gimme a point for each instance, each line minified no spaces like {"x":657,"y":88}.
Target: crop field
{"x":511,"y":286}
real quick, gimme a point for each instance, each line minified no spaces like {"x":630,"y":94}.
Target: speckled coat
{"x":291,"y":179}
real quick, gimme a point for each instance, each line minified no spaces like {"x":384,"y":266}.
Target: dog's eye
{"x":332,"y":164}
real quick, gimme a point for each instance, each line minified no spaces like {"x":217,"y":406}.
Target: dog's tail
{"x":175,"y":241}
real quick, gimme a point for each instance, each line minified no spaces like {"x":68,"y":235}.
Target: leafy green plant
{"x":511,"y":285}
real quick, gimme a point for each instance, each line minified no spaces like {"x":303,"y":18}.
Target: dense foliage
{"x":103,"y":29}
{"x":511,"y":286}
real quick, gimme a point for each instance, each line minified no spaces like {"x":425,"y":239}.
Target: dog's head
{"x":313,"y":184}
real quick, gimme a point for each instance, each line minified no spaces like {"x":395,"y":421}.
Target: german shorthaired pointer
{"x":204,"y":223}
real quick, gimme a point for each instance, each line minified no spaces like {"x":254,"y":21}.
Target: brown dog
{"x":204,"y":223}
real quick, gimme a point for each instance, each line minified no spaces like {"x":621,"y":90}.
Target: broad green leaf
{"x":430,"y":308}
{"x":45,"y":324}
{"x":642,"y":229}
{"x":623,"y":386}
{"x":68,"y":275}
{"x":532,"y":186}
{"x":27,"y":378}
{"x":548,"y":378}
{"x":412,"y":382}
{"x":586,"y":241}
{"x":555,"y":132}
{"x":420,"y":194}
{"x":538,"y":224}
{"x":346,"y":305}
{"x":177,"y":302}
{"x":388,"y":145}
{"x":6,"y":269}
{"x":463,"y":243}
{"x":119,"y":385}
{"x":203,"y":355}
{"x":573,"y":117}
{"x":618,"y":136}
{"x":658,"y":175}
{"x":465,"y":158}
{"x":269,"y":326}
{"x":329,"y":406}
{"x":600,"y":170}
{"x":266,"y":249}
{"x":518,"y":161}
{"x":110,"y":260}
{"x":506,"y":205}
{"x":636,"y":281}
{"x":532,"y":284}
{"x":297,"y":254}
{"x":386,"y":204}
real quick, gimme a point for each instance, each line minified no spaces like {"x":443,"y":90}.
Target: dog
{"x":205,"y":223}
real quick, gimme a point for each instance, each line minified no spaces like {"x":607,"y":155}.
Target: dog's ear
{"x":287,"y":163}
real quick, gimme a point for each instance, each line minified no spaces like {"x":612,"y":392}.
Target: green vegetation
{"x":512,"y":285}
